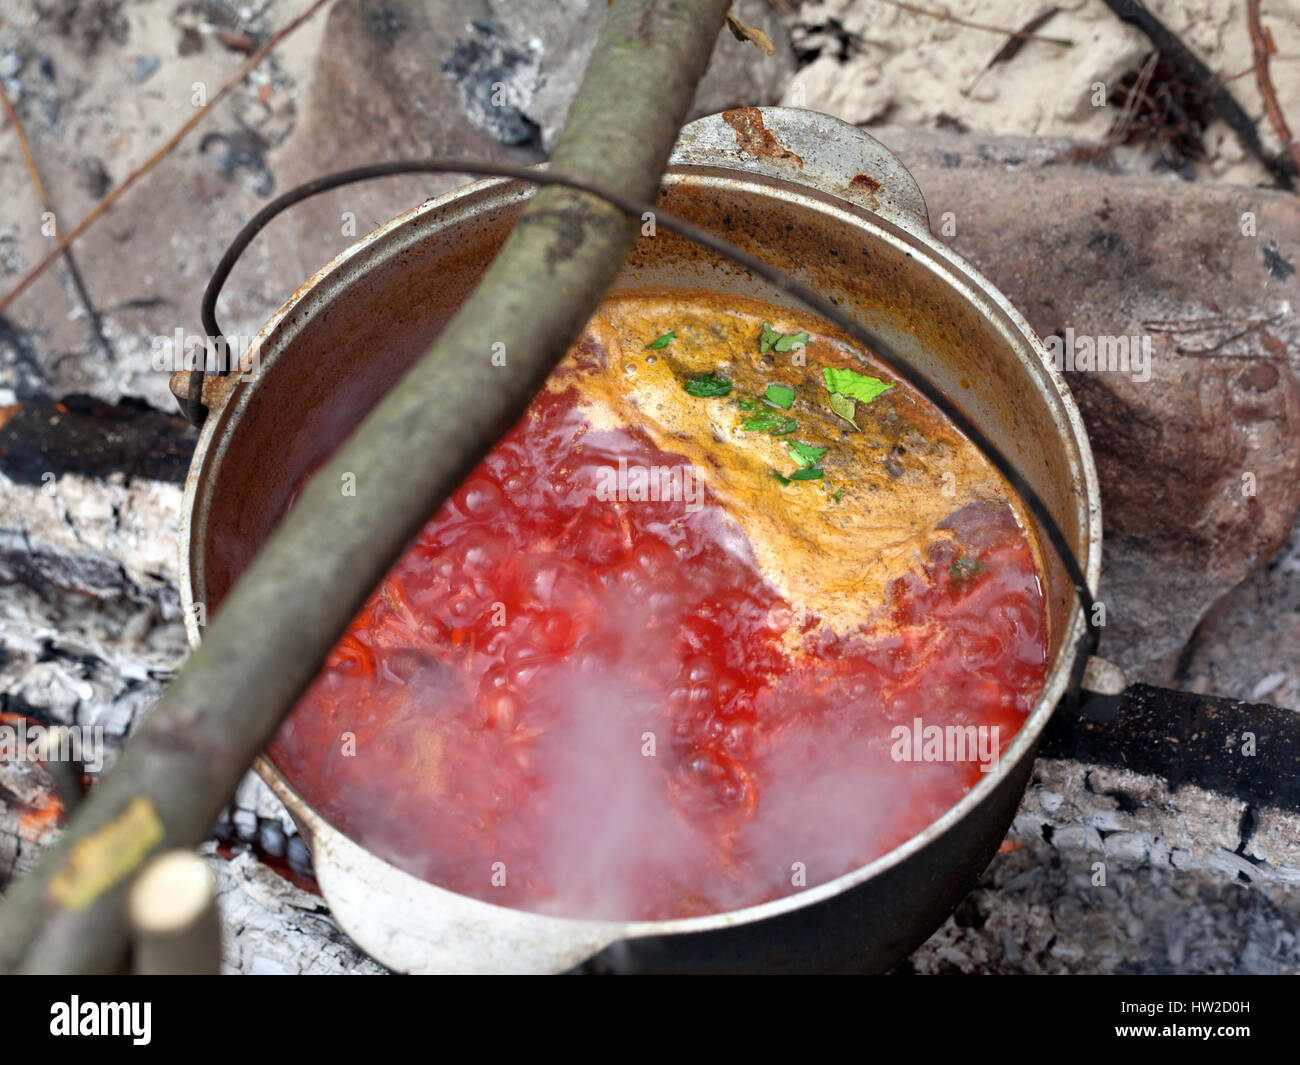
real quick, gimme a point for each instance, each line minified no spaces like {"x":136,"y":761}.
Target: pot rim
{"x":230,"y":396}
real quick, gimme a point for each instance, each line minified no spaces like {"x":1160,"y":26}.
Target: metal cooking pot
{"x":836,"y":209}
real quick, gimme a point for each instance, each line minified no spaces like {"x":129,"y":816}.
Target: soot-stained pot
{"x":833,"y":207}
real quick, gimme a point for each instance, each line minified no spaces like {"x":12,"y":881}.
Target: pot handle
{"x":812,"y":149}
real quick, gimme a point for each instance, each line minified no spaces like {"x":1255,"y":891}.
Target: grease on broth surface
{"x":901,"y":474}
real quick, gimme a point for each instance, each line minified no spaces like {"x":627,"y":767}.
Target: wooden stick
{"x":175,"y":927}
{"x":1259,"y":41}
{"x":266,"y":643}
{"x":157,"y":156}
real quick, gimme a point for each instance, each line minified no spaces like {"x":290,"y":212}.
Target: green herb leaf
{"x":770,"y":422}
{"x":814,"y":473}
{"x":844,"y":407}
{"x":707,"y":385}
{"x":780,"y":396}
{"x":966,"y":568}
{"x":770,"y":340}
{"x":804,"y":455}
{"x":749,"y":404}
{"x":662,"y":341}
{"x":837,"y":495}
{"x":854,"y":385}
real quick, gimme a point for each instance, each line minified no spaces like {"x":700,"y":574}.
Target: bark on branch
{"x":270,"y":636}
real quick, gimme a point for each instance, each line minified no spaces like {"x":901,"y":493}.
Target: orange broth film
{"x":727,"y":614}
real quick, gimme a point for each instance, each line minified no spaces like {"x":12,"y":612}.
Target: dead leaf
{"x":752,"y":34}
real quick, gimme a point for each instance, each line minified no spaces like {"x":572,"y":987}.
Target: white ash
{"x":90,"y":630}
{"x":105,"y":538}
{"x":1115,"y":813}
{"x":1038,"y":910}
{"x":1182,"y":891}
{"x":271,"y":926}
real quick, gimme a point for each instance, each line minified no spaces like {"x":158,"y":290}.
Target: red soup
{"x":726,"y":615}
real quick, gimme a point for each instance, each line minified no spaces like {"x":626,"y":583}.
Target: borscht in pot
{"x":729,"y":613}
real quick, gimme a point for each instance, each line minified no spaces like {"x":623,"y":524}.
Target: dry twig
{"x":943,"y":16}
{"x":1119,"y":130}
{"x":1261,"y":42}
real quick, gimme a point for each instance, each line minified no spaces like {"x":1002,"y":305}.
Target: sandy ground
{"x":918,"y":70}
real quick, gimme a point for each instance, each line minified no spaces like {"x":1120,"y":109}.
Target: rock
{"x":1248,"y":646}
{"x":1199,"y":472}
{"x":145,"y":262}
{"x":376,"y":90}
{"x":486,"y":79}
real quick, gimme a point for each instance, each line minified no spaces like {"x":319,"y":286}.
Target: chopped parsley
{"x":770,"y":340}
{"x":844,"y":407}
{"x":966,"y":568}
{"x":770,"y":422}
{"x":749,"y":404}
{"x":780,"y":396}
{"x":838,"y":494}
{"x":662,"y":341}
{"x":804,"y":455}
{"x":854,"y":385}
{"x":813,"y":473}
{"x":848,"y":387}
{"x":707,"y":385}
